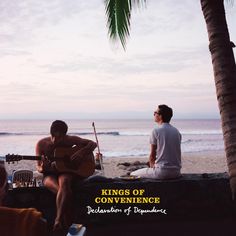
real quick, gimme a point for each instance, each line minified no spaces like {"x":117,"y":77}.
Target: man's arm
{"x":86,"y":146}
{"x":39,"y":166}
{"x":152,"y":156}
{"x":44,"y":164}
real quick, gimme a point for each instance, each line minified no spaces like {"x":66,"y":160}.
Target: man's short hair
{"x":166,"y":113}
{"x":58,"y":126}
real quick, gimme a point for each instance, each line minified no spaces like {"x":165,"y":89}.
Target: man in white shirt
{"x":165,"y":154}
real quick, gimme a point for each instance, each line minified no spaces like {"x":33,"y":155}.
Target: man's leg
{"x":64,"y":202}
{"x":144,"y":173}
{"x":157,"y":173}
{"x":51,"y":183}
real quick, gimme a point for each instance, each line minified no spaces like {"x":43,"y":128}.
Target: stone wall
{"x":193,"y":197}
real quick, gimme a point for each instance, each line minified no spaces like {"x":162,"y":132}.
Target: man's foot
{"x":59,"y":230}
{"x":59,"y":233}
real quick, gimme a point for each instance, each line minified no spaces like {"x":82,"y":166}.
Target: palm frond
{"x":118,"y":18}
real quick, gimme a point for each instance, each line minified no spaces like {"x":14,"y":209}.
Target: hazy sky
{"x":56,"y":61}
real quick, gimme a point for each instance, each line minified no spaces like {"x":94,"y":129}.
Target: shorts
{"x":157,"y":173}
{"x":56,"y":175}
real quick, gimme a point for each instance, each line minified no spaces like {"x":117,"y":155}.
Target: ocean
{"x":117,"y":138}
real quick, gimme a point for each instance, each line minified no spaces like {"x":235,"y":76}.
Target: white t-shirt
{"x":168,"y":141}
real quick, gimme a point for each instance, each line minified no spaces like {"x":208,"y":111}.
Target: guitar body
{"x":86,"y":165}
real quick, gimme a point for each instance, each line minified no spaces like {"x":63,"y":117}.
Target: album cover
{"x":117,"y":117}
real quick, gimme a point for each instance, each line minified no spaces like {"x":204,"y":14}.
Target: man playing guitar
{"x":57,"y":179}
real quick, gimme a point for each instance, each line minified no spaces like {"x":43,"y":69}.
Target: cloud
{"x":20,"y":20}
{"x":13,"y":52}
{"x":165,"y":16}
{"x":18,"y":90}
{"x":135,"y":64}
{"x":55,"y":57}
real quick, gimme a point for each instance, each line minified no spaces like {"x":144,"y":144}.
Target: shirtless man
{"x":60,"y":183}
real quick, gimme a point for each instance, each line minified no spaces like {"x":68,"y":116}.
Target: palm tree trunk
{"x":225,"y":78}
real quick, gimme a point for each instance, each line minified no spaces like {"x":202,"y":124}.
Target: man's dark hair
{"x":166,"y":113}
{"x":58,"y":126}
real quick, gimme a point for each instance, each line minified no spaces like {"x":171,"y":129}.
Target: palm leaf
{"x":118,"y":18}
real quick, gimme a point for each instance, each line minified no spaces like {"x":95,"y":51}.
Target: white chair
{"x":22,"y":176}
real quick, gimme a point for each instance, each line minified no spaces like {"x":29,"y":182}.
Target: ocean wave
{"x":114,"y":133}
{"x":22,"y":133}
{"x":193,"y":141}
{"x":9,"y":133}
{"x":135,"y":133}
{"x":117,"y":133}
{"x":201,"y":132}
{"x":186,"y":141}
{"x":130,"y":154}
{"x":190,"y":132}
{"x":184,"y":132}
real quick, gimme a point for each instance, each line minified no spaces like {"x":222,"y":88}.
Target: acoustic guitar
{"x":84,"y":166}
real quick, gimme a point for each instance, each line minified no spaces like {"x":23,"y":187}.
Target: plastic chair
{"x":22,"y":176}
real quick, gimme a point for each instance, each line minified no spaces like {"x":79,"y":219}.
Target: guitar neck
{"x":39,"y":158}
{"x":32,"y":158}
{"x":15,"y":158}
{"x":60,"y":153}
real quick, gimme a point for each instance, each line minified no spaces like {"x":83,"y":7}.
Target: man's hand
{"x":76,"y":156}
{"x":83,"y":152}
{"x":98,"y":157}
{"x":151,"y":163}
{"x":46,"y":165}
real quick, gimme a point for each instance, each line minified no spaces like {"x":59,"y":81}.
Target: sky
{"x":57,"y":61}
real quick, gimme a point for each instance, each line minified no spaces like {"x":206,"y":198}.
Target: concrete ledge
{"x":192,"y":197}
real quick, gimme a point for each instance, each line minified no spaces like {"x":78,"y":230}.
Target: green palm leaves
{"x":118,"y":18}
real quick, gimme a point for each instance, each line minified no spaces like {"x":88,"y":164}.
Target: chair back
{"x":22,"y":176}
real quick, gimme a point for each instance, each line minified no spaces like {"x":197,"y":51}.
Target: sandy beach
{"x":201,"y":162}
